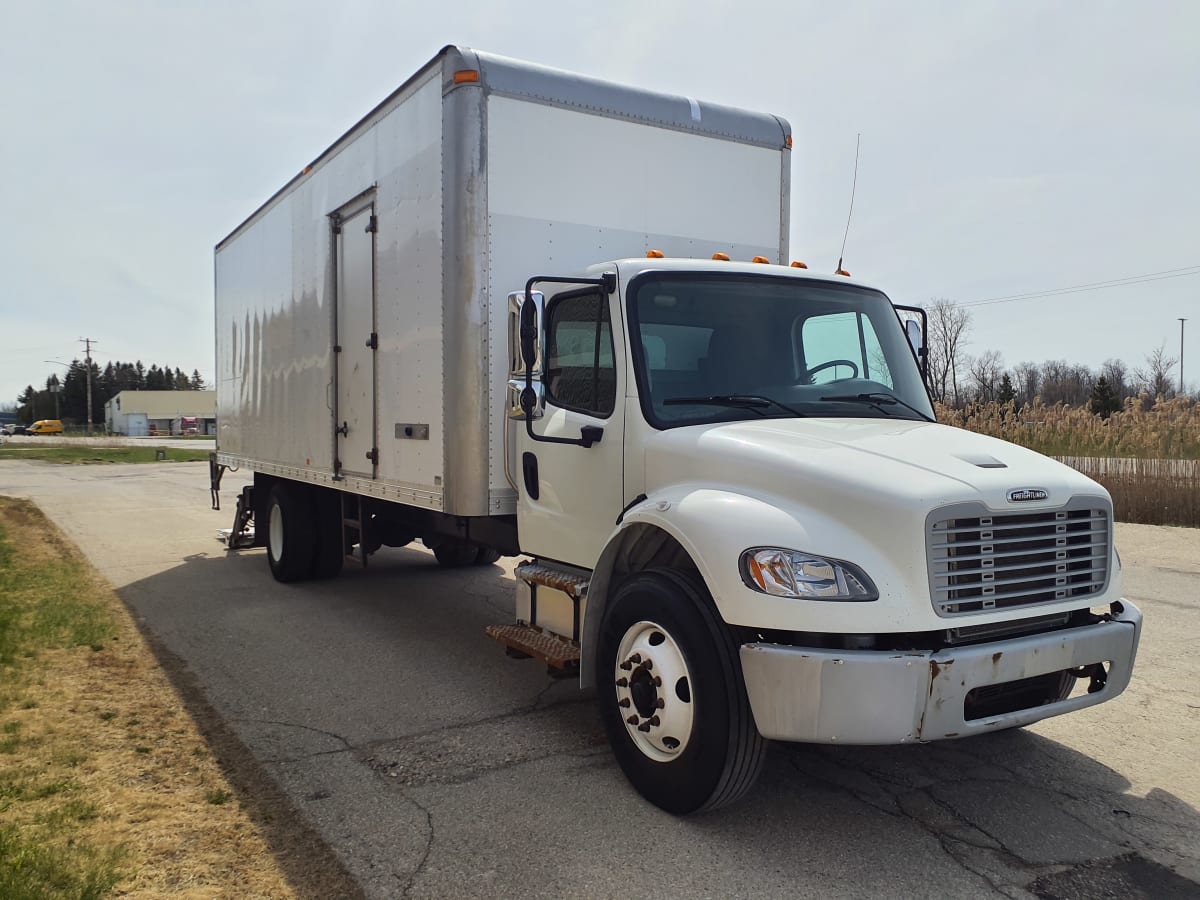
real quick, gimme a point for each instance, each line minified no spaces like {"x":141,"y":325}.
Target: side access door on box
{"x":356,"y":341}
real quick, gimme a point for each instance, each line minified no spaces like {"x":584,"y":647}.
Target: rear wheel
{"x":454,"y":554}
{"x":330,"y":551}
{"x":672,"y":697}
{"x":290,"y":539}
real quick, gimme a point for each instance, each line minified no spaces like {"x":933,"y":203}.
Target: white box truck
{"x":520,"y":311}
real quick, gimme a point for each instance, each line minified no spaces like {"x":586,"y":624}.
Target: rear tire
{"x":487,"y":556}
{"x":454,"y":554}
{"x":330,"y":552}
{"x":666,"y":659}
{"x":290,"y":538}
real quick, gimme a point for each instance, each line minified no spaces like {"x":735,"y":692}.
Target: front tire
{"x":290,"y":537}
{"x":672,"y":696}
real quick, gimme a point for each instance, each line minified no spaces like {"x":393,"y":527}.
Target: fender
{"x":713,"y":526}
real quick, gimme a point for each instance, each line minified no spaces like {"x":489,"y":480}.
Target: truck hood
{"x":915,"y":465}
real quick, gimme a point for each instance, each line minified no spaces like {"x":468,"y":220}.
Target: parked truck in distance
{"x":518,"y":311}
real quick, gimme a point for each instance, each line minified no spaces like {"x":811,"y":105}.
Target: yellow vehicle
{"x":46,"y":426}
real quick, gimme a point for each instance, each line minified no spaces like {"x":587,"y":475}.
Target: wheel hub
{"x":653,"y":691}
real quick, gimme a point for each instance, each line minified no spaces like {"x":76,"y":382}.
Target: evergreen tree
{"x":1104,"y":401}
{"x":1007,"y":392}
{"x":197,"y":381}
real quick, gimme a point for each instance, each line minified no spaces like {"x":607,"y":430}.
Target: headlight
{"x":792,"y":573}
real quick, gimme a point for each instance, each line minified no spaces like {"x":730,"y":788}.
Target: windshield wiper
{"x":735,"y":401}
{"x":878,"y":399}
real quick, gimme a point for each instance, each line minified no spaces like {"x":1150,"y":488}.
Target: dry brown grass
{"x":1146,"y":455}
{"x":113,"y":761}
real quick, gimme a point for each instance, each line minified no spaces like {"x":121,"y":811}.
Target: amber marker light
{"x":788,"y":143}
{"x":796,"y":264}
{"x":842,"y":272}
{"x":654,"y":254}
{"x":466,"y":76}
{"x":761,"y":259}
{"x":723,"y":257}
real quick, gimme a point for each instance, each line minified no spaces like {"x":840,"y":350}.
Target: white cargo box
{"x":361,"y":312}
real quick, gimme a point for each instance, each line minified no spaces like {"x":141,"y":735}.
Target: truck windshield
{"x":718,"y":348}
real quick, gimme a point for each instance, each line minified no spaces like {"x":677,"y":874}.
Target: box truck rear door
{"x":357,"y":340}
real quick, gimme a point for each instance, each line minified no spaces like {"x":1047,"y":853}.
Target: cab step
{"x":573,"y":585}
{"x":529,"y":640}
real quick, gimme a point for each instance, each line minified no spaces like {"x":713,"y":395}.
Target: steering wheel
{"x":808,"y":374}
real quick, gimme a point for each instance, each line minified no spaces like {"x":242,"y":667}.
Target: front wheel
{"x":672,"y":697}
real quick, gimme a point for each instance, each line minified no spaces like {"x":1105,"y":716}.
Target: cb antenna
{"x":853,"y":188}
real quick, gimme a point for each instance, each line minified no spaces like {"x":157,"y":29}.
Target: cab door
{"x":570,"y":495}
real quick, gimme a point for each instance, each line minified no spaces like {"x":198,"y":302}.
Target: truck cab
{"x":743,"y":511}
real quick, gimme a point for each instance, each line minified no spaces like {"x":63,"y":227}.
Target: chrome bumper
{"x":895,"y":697}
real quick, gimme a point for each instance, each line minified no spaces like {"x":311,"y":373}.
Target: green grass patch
{"x":101,"y":455}
{"x":49,"y":602}
{"x":40,"y":871}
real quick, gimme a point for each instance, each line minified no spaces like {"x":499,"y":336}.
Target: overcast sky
{"x":1007,"y":148}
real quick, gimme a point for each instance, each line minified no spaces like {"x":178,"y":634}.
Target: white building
{"x":143,"y":413}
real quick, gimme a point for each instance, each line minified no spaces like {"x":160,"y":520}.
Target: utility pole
{"x":1181,"y":321}
{"x":87,"y":342}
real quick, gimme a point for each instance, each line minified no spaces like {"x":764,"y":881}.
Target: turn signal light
{"x":760,"y":259}
{"x":724,"y":257}
{"x":466,"y":76}
{"x":654,"y":254}
{"x":796,"y":264}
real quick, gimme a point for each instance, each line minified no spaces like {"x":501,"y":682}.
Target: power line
{"x":1090,"y":286}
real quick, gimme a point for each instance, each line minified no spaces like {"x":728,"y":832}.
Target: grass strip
{"x":106,"y":785}
{"x":99,"y":455}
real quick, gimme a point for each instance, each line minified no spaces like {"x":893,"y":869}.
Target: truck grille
{"x":989,"y":561}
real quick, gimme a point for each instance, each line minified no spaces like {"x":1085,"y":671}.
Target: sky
{"x":1007,"y":148}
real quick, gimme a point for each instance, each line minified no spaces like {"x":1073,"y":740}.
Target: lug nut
{"x":660,"y":703}
{"x":636,"y":658}
{"x":645,"y":726}
{"x":622,"y":682}
{"x":626,"y":666}
{"x":623,"y":703}
{"x":657,"y":681}
{"x":649,"y":664}
{"x":633,"y":720}
{"x":653,"y":720}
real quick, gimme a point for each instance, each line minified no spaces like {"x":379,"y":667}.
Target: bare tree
{"x":986,"y":371}
{"x":1156,"y":378}
{"x":1029,"y":381}
{"x":949,"y":325}
{"x":1115,"y":372}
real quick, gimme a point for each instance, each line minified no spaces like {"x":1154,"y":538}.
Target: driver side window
{"x":838,"y":346}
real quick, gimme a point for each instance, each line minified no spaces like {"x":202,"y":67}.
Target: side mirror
{"x":529,"y":329}
{"x":913,"y":329}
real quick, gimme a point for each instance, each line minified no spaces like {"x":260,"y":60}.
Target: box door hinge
{"x":372,"y":225}
{"x":373,"y":341}
{"x":373,"y":456}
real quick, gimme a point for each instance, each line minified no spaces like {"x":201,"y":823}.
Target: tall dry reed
{"x":1146,"y":455}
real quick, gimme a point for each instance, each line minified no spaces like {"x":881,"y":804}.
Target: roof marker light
{"x":842,"y":272}
{"x":796,"y":264}
{"x":654,"y":254}
{"x":760,"y":259}
{"x":466,"y":76}
{"x":723,"y":257}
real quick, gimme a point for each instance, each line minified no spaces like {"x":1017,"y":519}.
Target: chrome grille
{"x":980,"y":560}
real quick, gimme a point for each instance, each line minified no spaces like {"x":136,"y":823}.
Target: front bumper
{"x":896,"y":697}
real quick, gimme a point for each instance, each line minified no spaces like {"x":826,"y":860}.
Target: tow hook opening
{"x":992,"y":700}
{"x":1096,"y":676}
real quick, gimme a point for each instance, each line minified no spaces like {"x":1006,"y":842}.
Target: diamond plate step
{"x":574,"y":586}
{"x":532,"y":641}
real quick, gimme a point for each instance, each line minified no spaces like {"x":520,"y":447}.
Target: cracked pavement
{"x":435,"y":766}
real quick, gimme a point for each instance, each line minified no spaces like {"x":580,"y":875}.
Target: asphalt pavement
{"x":435,"y":766}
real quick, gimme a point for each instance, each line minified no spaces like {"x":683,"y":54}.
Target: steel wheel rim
{"x":654,"y":691}
{"x":275,"y":532}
